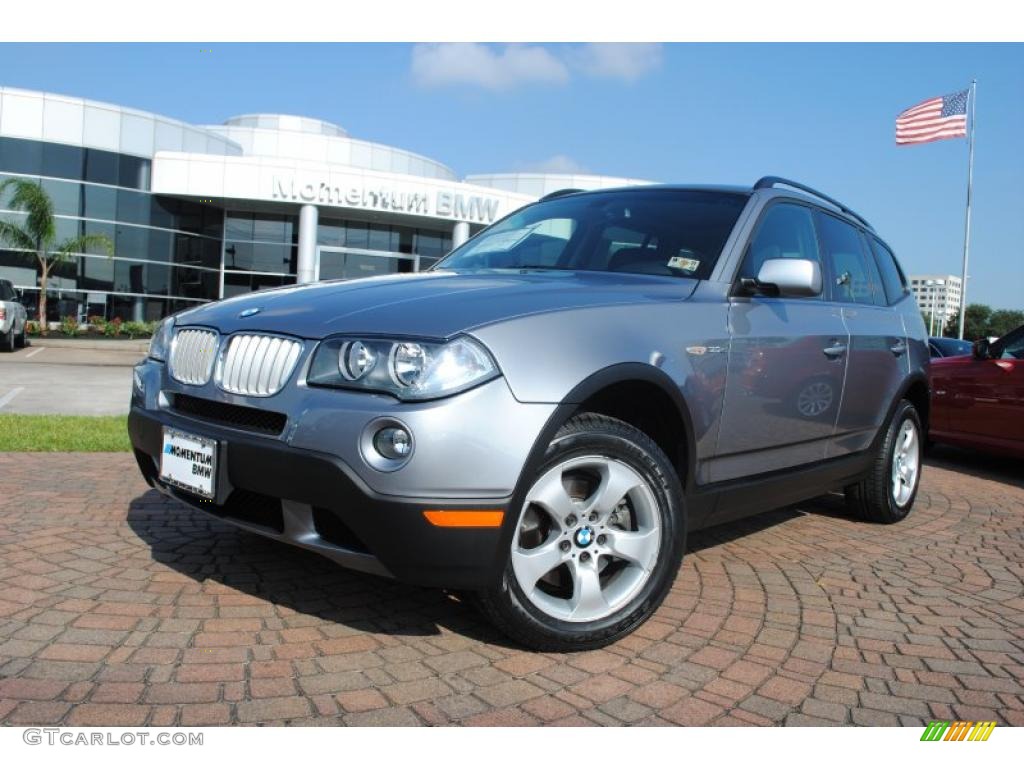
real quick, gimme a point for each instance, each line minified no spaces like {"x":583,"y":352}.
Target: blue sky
{"x":821,"y":113}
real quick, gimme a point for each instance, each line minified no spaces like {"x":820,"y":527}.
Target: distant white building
{"x":938,"y":296}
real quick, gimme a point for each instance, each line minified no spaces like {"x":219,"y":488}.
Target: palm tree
{"x":39,"y":234}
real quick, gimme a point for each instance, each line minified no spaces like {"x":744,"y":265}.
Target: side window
{"x":844,"y":252}
{"x":6,"y":292}
{"x":893,"y":281}
{"x":786,"y":232}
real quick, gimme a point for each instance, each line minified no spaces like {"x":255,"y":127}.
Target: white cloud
{"x":437,"y":64}
{"x":618,"y":61}
{"x":555,"y":164}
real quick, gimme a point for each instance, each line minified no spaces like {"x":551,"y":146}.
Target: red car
{"x":978,"y":399}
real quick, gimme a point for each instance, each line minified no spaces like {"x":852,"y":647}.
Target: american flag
{"x":944,"y":117}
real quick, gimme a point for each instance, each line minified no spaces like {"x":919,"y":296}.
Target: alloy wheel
{"x":906,"y":463}
{"x":587,"y":540}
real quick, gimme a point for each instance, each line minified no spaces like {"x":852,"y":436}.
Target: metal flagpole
{"x":967,"y":221}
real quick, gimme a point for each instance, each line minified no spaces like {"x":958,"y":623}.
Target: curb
{"x":114,"y":345}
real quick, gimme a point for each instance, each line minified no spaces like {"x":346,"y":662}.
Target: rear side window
{"x":785,"y":232}
{"x":6,"y":292}
{"x":893,"y":281}
{"x":844,"y":252}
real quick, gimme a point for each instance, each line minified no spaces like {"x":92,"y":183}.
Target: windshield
{"x":647,"y":231}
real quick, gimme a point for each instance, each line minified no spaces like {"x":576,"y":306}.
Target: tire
{"x":608,"y":572}
{"x":19,"y":340}
{"x":899,"y":455}
{"x":7,"y":341}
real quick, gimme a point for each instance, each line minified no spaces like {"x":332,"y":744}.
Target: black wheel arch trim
{"x":623,"y":373}
{"x":918,"y":377}
{"x":620,"y":373}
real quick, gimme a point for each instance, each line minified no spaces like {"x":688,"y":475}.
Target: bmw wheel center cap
{"x":584,"y":536}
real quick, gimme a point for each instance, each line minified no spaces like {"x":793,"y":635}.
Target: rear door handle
{"x":836,"y":350}
{"x":898,"y":348}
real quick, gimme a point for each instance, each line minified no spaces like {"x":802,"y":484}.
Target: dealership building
{"x":201,"y":212}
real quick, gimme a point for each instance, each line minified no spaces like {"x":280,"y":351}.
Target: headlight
{"x":161,"y":341}
{"x":407,"y":369}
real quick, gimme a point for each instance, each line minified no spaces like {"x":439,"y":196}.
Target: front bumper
{"x":310,"y":486}
{"x":317,"y":502}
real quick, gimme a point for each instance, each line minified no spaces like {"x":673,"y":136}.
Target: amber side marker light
{"x":464,"y":518}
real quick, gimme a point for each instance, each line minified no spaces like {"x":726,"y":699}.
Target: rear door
{"x":878,"y":354}
{"x":787,"y":361}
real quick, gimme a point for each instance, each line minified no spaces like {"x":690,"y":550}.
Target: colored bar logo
{"x":959,"y":730}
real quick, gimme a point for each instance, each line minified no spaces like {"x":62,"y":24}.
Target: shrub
{"x":113,"y":328}
{"x":98,"y":323}
{"x":69,"y":326}
{"x":32,"y":327}
{"x":136,"y":330}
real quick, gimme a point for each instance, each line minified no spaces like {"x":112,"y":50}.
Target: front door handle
{"x":836,"y":350}
{"x":898,"y":348}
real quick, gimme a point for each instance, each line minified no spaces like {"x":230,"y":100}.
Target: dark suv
{"x":542,"y":417}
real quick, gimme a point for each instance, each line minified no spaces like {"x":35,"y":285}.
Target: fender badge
{"x":249,"y":312}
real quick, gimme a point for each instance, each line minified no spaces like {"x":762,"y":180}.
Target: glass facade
{"x":166,"y":252}
{"x":170,"y":254}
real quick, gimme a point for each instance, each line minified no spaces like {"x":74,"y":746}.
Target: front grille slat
{"x":258,"y":365}
{"x":230,"y":415}
{"x":193,"y":353}
{"x":266,"y":370}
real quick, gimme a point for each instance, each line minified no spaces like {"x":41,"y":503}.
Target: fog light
{"x":393,"y":443}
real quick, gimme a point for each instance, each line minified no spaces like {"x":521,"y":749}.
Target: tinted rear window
{"x":641,"y":231}
{"x":844,"y":249}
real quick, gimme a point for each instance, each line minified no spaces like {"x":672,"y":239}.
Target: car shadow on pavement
{"x":1001,"y":469}
{"x":728,"y":532}
{"x":222,"y":560}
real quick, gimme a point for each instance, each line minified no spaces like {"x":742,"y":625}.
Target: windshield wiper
{"x":532,"y":266}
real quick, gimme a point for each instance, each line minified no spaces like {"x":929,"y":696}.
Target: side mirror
{"x":786,"y":277}
{"x":981,"y":349}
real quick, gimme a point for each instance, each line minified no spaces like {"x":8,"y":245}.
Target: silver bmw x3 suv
{"x":541,"y":418}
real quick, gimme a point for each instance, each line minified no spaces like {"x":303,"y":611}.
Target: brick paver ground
{"x":120,"y":608}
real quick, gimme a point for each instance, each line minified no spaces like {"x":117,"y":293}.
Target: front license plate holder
{"x":189,"y":462}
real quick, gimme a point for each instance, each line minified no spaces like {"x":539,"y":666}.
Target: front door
{"x":787,"y":362}
{"x":351,"y":263}
{"x":985,"y":398}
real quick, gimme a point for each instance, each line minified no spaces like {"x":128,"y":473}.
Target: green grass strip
{"x":83,"y":434}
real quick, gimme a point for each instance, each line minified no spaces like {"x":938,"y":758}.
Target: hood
{"x":429,"y":304}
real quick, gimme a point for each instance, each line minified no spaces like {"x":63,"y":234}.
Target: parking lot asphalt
{"x":119,"y":607}
{"x":67,"y":380}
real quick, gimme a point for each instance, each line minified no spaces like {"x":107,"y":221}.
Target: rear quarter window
{"x":893,"y":280}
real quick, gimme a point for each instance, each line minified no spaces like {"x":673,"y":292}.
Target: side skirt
{"x":724,"y":502}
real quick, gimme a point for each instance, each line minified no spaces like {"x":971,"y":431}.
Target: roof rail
{"x":766,"y":182}
{"x":560,"y":193}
